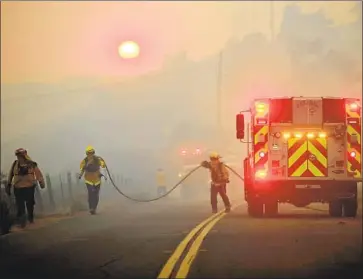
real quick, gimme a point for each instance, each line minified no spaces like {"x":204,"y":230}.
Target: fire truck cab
{"x":302,"y":150}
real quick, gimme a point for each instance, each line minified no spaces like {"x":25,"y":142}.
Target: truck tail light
{"x":352,"y":154}
{"x":298,"y":135}
{"x":262,"y":154}
{"x":311,"y":135}
{"x":261,"y":174}
{"x":322,"y":135}
{"x":286,"y":135}
{"x":260,"y":107}
{"x":353,"y":107}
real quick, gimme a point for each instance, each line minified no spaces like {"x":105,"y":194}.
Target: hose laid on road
{"x":179,"y":183}
{"x":154,"y":199}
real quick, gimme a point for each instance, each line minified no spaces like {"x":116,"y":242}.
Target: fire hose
{"x":179,"y":183}
{"x":169,"y":191}
{"x":154,"y":199}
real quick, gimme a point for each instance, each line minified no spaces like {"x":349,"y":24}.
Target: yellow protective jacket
{"x":219,"y":172}
{"x":90,"y":166}
{"x":160,"y":179}
{"x":25,"y":175}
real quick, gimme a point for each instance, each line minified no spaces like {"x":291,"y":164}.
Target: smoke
{"x":136,"y":123}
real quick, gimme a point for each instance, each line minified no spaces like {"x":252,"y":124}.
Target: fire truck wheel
{"x":336,"y":208}
{"x":255,"y":208}
{"x":271,"y":208}
{"x":350,"y":207}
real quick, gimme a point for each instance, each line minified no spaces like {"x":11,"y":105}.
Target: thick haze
{"x":64,"y":87}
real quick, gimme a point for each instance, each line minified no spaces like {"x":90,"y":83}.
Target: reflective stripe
{"x":354,"y":164}
{"x":297,"y":151}
{"x":261,"y":145}
{"x":307,"y":158}
{"x":93,"y":183}
{"x":318,"y":164}
{"x":352,"y":114}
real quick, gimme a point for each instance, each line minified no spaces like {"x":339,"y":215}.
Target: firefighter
{"x":23,"y":176}
{"x":90,"y":167}
{"x":220,"y":178}
{"x":160,"y":181}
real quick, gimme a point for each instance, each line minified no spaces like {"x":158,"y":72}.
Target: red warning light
{"x":352,"y":154}
{"x":353,"y":106}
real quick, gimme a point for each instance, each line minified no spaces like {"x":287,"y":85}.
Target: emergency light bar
{"x":299,"y":135}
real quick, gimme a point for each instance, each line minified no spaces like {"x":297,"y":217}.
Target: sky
{"x":53,"y":55}
{"x":51,"y":41}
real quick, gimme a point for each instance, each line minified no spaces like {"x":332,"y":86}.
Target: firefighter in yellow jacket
{"x":220,"y":178}
{"x":23,"y":176}
{"x":90,"y":167}
{"x":160,"y":181}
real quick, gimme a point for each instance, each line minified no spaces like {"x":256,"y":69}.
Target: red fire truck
{"x":302,"y":150}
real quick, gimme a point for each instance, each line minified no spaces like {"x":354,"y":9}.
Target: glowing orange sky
{"x":49,"y":41}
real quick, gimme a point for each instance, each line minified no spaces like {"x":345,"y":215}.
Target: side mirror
{"x":240,"y":126}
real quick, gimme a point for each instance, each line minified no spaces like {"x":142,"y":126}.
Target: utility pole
{"x":219,"y":90}
{"x":272,"y":20}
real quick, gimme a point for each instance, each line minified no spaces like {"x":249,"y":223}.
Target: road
{"x":138,"y":241}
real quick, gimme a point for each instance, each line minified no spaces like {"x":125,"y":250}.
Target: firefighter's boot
{"x":22,"y":221}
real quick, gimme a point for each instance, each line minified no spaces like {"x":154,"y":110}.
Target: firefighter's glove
{"x":227,"y":180}
{"x":204,"y":164}
{"x":8,"y":189}
{"x":79,"y":176}
{"x":42,"y":185}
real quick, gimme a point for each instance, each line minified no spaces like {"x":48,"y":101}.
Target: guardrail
{"x":64,"y":194}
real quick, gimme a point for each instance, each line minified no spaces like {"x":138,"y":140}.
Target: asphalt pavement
{"x":130,"y":240}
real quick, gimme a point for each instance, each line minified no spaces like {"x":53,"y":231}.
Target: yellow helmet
{"x":90,"y":149}
{"x":214,"y":155}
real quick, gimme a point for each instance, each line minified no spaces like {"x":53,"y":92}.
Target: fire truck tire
{"x":336,"y":208}
{"x":255,"y":208}
{"x":350,"y":207}
{"x":271,"y":208}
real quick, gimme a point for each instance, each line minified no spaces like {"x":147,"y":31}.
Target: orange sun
{"x":129,"y":50}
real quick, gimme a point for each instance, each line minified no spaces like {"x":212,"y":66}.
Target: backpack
{"x":22,"y":170}
{"x":217,"y":175}
{"x":94,"y":166}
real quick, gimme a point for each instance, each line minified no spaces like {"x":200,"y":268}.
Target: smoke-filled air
{"x":145,"y":82}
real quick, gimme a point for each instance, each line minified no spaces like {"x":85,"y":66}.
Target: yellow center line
{"x":192,"y":253}
{"x":209,"y":223}
{"x":168,"y":267}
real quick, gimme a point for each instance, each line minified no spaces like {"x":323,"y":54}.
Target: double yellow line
{"x":192,"y":241}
